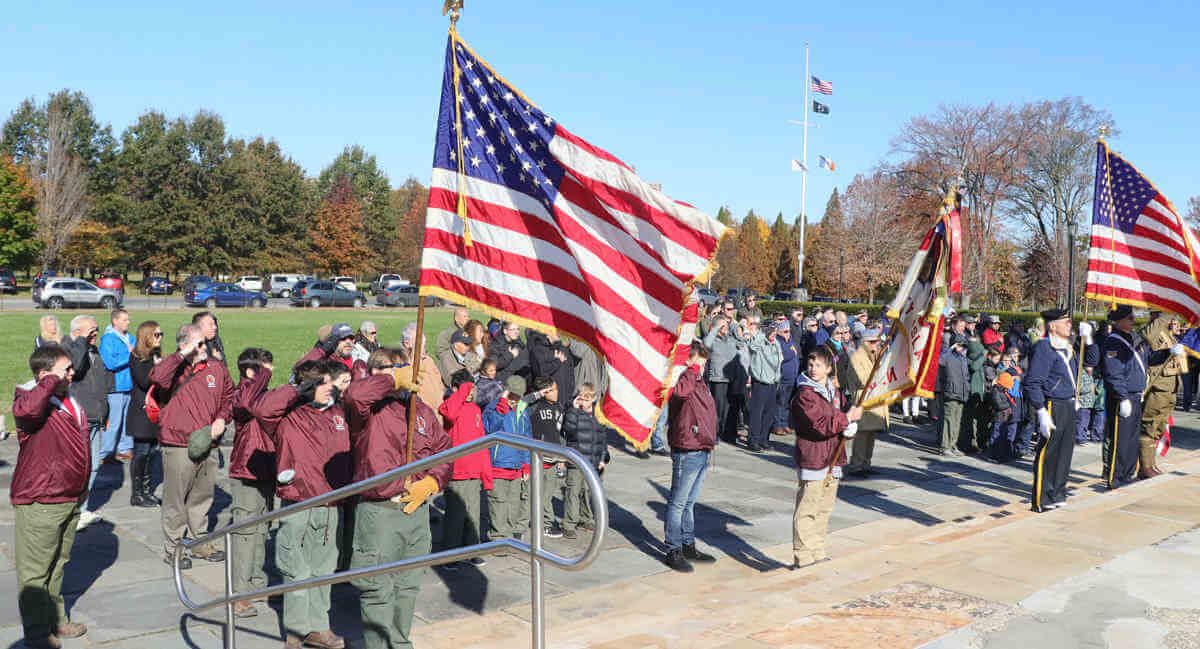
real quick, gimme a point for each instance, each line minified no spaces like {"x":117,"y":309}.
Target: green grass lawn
{"x":287,"y":333}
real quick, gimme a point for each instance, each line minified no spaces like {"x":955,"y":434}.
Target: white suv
{"x":346,"y":282}
{"x":250,"y":283}
{"x":69,"y":291}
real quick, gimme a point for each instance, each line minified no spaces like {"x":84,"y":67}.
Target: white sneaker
{"x":86,"y":518}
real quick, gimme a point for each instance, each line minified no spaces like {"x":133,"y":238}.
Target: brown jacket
{"x":198,"y":395}
{"x":55,"y":459}
{"x":876,"y":418}
{"x":692,"y":418}
{"x":314,"y":442}
{"x":379,"y":430}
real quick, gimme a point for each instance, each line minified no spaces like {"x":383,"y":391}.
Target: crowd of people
{"x":343,"y":415}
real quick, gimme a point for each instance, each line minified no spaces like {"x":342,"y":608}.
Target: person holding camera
{"x":90,"y":385}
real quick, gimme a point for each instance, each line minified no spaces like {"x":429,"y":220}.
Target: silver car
{"x":62,"y":292}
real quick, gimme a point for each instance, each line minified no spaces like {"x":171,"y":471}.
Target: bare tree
{"x":878,"y":243}
{"x":1192,"y":217}
{"x":61,"y":188}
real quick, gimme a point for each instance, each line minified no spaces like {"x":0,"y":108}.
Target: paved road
{"x":118,"y":585}
{"x":140,"y":302}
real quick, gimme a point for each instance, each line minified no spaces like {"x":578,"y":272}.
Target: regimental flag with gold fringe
{"x":909,"y":364}
{"x":532,"y":224}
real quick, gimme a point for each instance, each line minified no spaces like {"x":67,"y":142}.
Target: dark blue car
{"x":223,"y":294}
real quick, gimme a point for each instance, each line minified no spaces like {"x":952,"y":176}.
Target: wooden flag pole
{"x":1082,"y":350}
{"x":416,"y":376}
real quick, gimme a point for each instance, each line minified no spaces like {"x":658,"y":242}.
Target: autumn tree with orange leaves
{"x":339,"y":245}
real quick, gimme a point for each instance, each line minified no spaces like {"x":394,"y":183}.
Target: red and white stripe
{"x":607,"y":265}
{"x":1154,"y":265}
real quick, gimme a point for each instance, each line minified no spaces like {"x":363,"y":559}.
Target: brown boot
{"x":293,"y":642}
{"x":244,"y":609}
{"x":70,"y":630}
{"x":324,"y":640}
{"x":48,"y":642}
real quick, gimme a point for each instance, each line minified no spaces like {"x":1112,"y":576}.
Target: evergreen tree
{"x":823,"y":249}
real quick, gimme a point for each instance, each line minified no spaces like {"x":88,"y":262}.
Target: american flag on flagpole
{"x":1141,"y":252}
{"x":561,"y":236}
{"x":822,"y":86}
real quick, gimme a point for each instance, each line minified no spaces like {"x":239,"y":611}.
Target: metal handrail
{"x":537,"y":555}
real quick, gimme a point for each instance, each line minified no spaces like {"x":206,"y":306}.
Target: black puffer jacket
{"x":92,"y":383}
{"x":584,"y":434}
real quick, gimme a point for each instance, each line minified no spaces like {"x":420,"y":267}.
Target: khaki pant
{"x":862,"y":450}
{"x":384,"y":533}
{"x":508,"y":508}
{"x":44,"y":536}
{"x":810,"y":522}
{"x":250,"y":499}
{"x":578,"y":510}
{"x":306,"y":546}
{"x":187,"y":496}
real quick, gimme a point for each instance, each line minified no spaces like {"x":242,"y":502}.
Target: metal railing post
{"x":535,"y":542}
{"x":230,"y":633}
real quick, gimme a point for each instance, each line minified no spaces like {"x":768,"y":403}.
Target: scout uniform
{"x":1161,"y":387}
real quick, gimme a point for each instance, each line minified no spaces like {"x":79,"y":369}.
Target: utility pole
{"x":804,"y":173}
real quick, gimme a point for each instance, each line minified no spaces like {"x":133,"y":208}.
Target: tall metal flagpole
{"x":804,"y":174}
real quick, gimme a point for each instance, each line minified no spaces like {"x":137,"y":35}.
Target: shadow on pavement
{"x":714,"y":527}
{"x":95,"y":550}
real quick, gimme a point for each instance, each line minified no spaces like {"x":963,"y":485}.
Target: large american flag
{"x":1141,"y":253}
{"x":560,"y":235}
{"x":822,"y":86}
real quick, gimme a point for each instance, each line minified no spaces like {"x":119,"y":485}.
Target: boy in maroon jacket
{"x":818,"y":418}
{"x":200,"y":395}
{"x":252,"y":475}
{"x":692,"y":434}
{"x":312,"y":438}
{"x":48,"y":485}
{"x":391,"y":521}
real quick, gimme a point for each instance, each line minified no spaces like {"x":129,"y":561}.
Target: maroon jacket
{"x":55,"y":459}
{"x":318,"y":354}
{"x":818,"y":424}
{"x":359,"y":371}
{"x":379,"y":430}
{"x":198,"y":396}
{"x":314,"y":442}
{"x":253,"y":456}
{"x":692,"y":418}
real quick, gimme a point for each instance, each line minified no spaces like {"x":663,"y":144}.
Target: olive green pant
{"x":187,"y":496}
{"x":579,"y":505}
{"x":508,"y":508}
{"x":552,"y":485}
{"x":250,"y":544}
{"x":952,"y":423}
{"x":1156,"y":412}
{"x":461,"y":524}
{"x":384,"y":533}
{"x":44,"y":536}
{"x":306,"y":546}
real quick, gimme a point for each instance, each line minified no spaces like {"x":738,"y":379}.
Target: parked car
{"x":61,"y":292}
{"x":223,"y":294}
{"x":384,"y":281}
{"x":325,"y":292}
{"x":404,"y":295}
{"x":783,"y":296}
{"x":284,"y":284}
{"x":111,"y":281}
{"x":8,"y":281}
{"x":707,"y":296}
{"x":157,"y":286}
{"x":250,"y":283}
{"x":194,"y":281}
{"x":346,"y":282}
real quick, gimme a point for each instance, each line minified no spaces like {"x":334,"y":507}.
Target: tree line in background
{"x":179,"y":195}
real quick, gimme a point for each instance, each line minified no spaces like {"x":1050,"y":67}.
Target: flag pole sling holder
{"x":538,"y":555}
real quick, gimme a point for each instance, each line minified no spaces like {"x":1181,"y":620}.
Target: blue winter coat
{"x":515,"y":422}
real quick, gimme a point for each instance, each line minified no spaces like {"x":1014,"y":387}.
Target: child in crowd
{"x":582,"y":432}
{"x":471,"y":473}
{"x":546,"y":418}
{"x":1003,"y":406}
{"x":252,"y":475}
{"x":487,"y":387}
{"x":508,"y":501}
{"x":1010,"y":362}
{"x":820,"y":421}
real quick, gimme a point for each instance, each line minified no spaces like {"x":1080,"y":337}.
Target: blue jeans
{"x":687,"y":474}
{"x":658,"y":434}
{"x":95,"y":435}
{"x":116,"y":440}
{"x":783,"y":400}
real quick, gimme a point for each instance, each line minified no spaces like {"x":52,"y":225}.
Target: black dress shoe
{"x":676,"y":561}
{"x":692,"y":554}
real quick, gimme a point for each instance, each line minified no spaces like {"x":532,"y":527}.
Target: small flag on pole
{"x":818,"y":107}
{"x":827,"y":163}
{"x":821,"y":86}
{"x":798,"y":166}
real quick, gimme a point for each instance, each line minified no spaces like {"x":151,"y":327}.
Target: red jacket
{"x":692,"y":418}
{"x":314,"y":442}
{"x":466,"y":424}
{"x":990,"y":337}
{"x":199,"y":395}
{"x":253,"y":456}
{"x":379,"y":430}
{"x":818,"y":424}
{"x":55,"y":459}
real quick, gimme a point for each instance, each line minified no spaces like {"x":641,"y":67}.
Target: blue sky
{"x":695,"y":96}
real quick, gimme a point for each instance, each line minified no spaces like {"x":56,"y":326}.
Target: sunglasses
{"x":157,"y":334}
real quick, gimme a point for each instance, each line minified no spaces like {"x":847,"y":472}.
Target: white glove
{"x":1045,"y":422}
{"x":1125,"y":408}
{"x":1085,"y":332}
{"x":1178,"y":349}
{"x":851,"y":430}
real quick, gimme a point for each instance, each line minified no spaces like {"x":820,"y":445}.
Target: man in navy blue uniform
{"x":1050,"y":388}
{"x":1125,"y":356}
